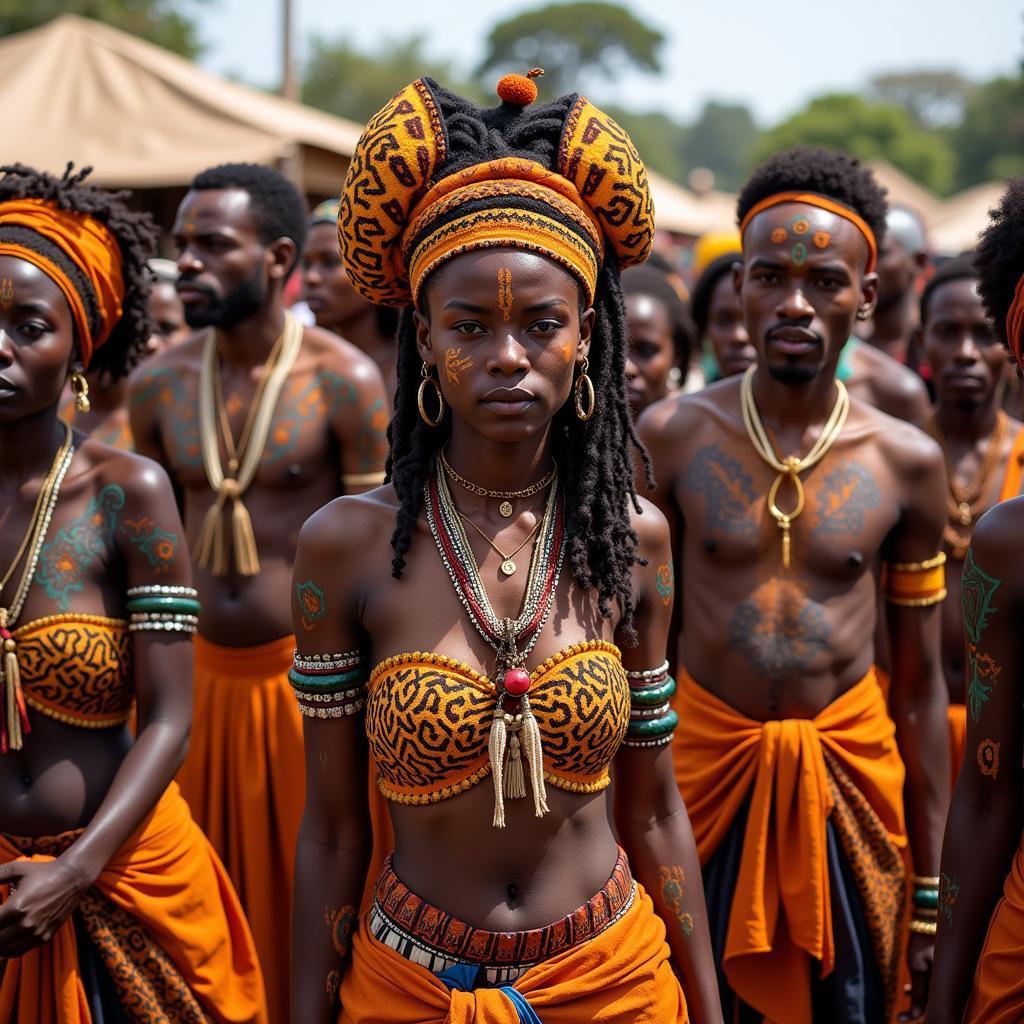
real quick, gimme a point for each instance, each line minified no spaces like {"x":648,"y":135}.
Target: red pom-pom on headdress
{"x":519,"y":90}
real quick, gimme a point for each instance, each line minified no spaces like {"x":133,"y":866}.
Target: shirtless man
{"x":786,"y":755}
{"x":239,"y":232}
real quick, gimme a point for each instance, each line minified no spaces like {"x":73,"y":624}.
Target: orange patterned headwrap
{"x":402,"y":215}
{"x":91,"y":250}
{"x":823,"y":203}
{"x":1015,"y":323}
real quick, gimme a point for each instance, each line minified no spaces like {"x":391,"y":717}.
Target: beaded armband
{"x":162,"y":608}
{"x":915,"y":584}
{"x":329,"y":685}
{"x":651,"y":721}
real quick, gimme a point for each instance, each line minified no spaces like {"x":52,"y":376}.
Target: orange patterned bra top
{"x":428,"y":721}
{"x":77,"y":669}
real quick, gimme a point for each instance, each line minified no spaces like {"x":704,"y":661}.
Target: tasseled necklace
{"x":514,"y":730}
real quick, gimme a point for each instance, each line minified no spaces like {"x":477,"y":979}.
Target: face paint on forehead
{"x":455,"y":364}
{"x":6,"y":293}
{"x":802,"y":230}
{"x":505,"y":293}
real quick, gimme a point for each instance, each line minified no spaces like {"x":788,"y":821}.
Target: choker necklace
{"x":964,"y":505}
{"x":505,"y":508}
{"x":792,"y":466}
{"x":514,"y":731}
{"x":13,"y":712}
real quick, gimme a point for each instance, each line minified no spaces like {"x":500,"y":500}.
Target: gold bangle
{"x":925,"y":881}
{"x":362,"y":479}
{"x":926,"y":913}
{"x":928,"y":563}
{"x":923,"y":927}
{"x":917,"y":602}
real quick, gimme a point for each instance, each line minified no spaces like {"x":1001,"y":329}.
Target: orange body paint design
{"x":821,"y":239}
{"x":801,"y":226}
{"x":779,"y":235}
{"x":6,"y":293}
{"x":505,"y":293}
{"x":673,"y":889}
{"x":665,"y":583}
{"x":455,"y":363}
{"x":988,"y":758}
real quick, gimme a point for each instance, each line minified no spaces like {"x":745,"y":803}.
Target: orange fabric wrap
{"x":89,"y":245}
{"x":957,"y":738}
{"x":1015,"y":322}
{"x":1014,"y":469}
{"x":998,"y":993}
{"x":622,"y":976}
{"x":925,"y":585}
{"x":822,"y":203}
{"x":166,"y":876}
{"x":781,"y":909}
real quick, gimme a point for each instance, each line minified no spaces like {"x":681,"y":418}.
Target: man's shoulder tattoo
{"x":727,"y":489}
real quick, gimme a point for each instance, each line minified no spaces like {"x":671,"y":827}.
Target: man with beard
{"x":983,"y":447}
{"x":788,"y":498}
{"x":259,"y":423}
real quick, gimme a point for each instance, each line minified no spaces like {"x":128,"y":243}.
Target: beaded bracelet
{"x":329,"y":685}
{"x":648,"y":674}
{"x":926,"y":898}
{"x":163,"y":609}
{"x":651,"y":719}
{"x":923,"y":927}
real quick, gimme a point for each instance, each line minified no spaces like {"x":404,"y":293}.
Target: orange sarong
{"x":621,"y":976}
{"x":957,"y":737}
{"x":1014,"y":469}
{"x":797,"y":774}
{"x":165,"y":895}
{"x":245,"y":780}
{"x":998,"y":993}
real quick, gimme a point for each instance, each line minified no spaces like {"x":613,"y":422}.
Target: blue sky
{"x":773,"y":57}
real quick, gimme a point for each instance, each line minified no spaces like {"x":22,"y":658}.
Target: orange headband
{"x":822,"y":203}
{"x":89,"y":245}
{"x":1015,"y":323}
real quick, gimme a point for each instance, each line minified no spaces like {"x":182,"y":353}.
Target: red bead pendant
{"x":516,"y":681}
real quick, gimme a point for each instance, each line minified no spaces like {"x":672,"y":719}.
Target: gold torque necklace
{"x":506,"y":507}
{"x":792,"y":466}
{"x":964,"y":505}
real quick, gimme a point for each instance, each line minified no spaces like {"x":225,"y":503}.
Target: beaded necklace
{"x":513,"y":725}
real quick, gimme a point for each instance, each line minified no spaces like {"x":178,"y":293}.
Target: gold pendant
{"x":965,"y":514}
{"x":505,"y":508}
{"x":508,"y":567}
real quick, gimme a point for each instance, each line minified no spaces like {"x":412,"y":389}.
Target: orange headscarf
{"x":90,"y":246}
{"x":1015,"y":322}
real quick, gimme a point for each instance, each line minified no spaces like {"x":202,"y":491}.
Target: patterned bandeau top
{"x":428,"y":720}
{"x":77,"y":669}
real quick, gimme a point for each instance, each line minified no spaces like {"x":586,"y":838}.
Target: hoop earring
{"x":80,"y":389}
{"x":427,"y":379}
{"x":584,"y":383}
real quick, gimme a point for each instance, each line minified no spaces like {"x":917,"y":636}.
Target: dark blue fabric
{"x":465,"y":978}
{"x":853,"y":992}
{"x":100,"y":994}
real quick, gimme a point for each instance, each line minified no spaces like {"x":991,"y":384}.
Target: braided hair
{"x":136,"y":235}
{"x":595,"y":458}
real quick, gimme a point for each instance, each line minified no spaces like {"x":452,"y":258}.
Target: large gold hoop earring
{"x":427,"y":379}
{"x":80,"y":389}
{"x":584,"y":383}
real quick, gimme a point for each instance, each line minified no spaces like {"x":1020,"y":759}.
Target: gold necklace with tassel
{"x":13,"y":712}
{"x":243,"y":459}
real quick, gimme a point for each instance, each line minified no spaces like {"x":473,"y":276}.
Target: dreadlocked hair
{"x":828,"y":172}
{"x":594,"y":459}
{"x":136,"y":235}
{"x":999,"y":257}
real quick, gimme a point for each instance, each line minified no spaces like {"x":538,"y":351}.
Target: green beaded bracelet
{"x":926,"y":898}
{"x":334,"y":681}
{"x":164,"y":604}
{"x":651,"y":696}
{"x":645,"y":728}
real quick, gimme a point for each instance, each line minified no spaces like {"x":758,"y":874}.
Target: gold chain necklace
{"x":15,"y":714}
{"x":792,"y":466}
{"x":965,"y":505}
{"x":508,"y":567}
{"x":505,"y":508}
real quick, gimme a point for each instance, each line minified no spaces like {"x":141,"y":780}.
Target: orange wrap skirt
{"x":621,"y":976}
{"x":167,"y":927}
{"x":957,"y":738}
{"x":797,"y":775}
{"x":245,"y":780}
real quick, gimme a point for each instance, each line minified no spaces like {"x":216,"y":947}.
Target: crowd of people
{"x":518,"y":627}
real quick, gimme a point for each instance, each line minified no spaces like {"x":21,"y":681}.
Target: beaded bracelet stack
{"x":651,"y":721}
{"x":329,"y":685}
{"x":163,"y":608}
{"x":926,"y":905}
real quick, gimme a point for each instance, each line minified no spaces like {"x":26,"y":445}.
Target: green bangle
{"x":164,"y":604}
{"x":646,"y":728}
{"x":307,"y":683}
{"x":926,"y":898}
{"x":651,"y":696}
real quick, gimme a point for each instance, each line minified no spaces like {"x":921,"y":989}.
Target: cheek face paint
{"x":568,"y":351}
{"x":505,"y":293}
{"x":455,"y":364}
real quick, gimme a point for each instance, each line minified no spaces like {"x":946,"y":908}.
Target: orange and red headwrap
{"x":822,"y":203}
{"x":93,"y":255}
{"x":1015,"y":323}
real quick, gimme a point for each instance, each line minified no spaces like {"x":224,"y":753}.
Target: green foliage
{"x":159,"y":21}
{"x":931,"y":98}
{"x":353,"y":83}
{"x":871,"y":131}
{"x":575,"y":43}
{"x":990,"y":138}
{"x":657,"y":137}
{"x":722,"y":139}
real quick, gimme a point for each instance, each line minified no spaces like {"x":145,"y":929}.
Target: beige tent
{"x":683,"y":212}
{"x":145,"y":118}
{"x":963,"y":218}
{"x":902,"y":190}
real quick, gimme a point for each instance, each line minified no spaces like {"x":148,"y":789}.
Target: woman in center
{"x":463,"y":623}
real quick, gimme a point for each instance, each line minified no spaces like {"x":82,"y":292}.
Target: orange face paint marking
{"x":6,"y":293}
{"x":455,"y":363}
{"x":505,"y":293}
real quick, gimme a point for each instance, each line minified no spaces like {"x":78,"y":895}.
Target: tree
{"x":159,"y":21}
{"x":721,"y":139}
{"x":658,"y":139}
{"x":352,"y":83}
{"x":573,"y":43}
{"x":989,"y":140}
{"x":932,"y":98}
{"x":871,"y":131}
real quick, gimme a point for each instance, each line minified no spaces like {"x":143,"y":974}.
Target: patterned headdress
{"x":434,"y":176}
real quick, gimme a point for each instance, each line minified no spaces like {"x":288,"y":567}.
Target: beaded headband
{"x":403,"y":212}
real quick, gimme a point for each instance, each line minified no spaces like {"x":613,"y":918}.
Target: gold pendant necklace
{"x":508,"y":567}
{"x":505,"y":508}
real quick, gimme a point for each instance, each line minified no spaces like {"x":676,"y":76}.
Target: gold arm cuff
{"x":925,"y":881}
{"x":929,"y":563}
{"x":362,"y":479}
{"x":917,"y":602}
{"x":923,"y":927}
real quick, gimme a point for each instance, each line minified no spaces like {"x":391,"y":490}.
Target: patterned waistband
{"x":435,"y":939}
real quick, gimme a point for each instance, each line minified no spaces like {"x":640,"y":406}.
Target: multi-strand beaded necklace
{"x":514,"y":730}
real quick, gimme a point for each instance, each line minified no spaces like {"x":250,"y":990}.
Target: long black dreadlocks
{"x":136,"y":234}
{"x":594,"y":458}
